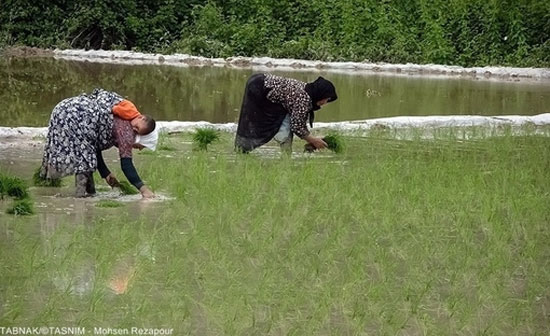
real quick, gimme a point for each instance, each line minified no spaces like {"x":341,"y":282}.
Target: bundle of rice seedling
{"x":13,"y":186}
{"x":16,"y":188}
{"x":127,"y":189}
{"x":204,"y":137}
{"x":44,"y":182}
{"x":21,"y":208}
{"x":334,"y":142}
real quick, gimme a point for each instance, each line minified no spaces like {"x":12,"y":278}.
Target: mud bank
{"x":13,"y":136}
{"x":267,"y":63}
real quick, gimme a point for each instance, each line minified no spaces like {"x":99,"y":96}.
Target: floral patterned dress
{"x":79,"y":126}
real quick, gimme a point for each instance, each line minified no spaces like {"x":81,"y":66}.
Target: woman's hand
{"x":112,"y":181}
{"x":318,"y":143}
{"x":145,"y":192}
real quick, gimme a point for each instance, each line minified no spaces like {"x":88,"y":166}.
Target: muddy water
{"x":57,"y":206}
{"x":30,"y":88}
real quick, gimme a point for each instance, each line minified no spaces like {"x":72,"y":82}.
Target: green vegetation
{"x":461,"y":32}
{"x":109,"y":204}
{"x":17,"y":189}
{"x":21,"y":207}
{"x":164,"y":143}
{"x":127,"y":189}
{"x":165,"y":147}
{"x":13,"y":186}
{"x":45,"y":182}
{"x":334,"y":141}
{"x":204,"y":137}
{"x":434,"y":237}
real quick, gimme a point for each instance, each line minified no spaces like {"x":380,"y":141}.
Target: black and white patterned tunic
{"x":79,"y":126}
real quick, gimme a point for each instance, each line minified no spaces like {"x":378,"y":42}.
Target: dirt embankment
{"x":22,"y":51}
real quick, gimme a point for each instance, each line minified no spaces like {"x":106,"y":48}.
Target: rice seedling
{"x":102,"y":188}
{"x":166,"y":147}
{"x":163,"y":143}
{"x":127,"y":189}
{"x":147,"y":152}
{"x":45,"y":182}
{"x":21,"y":207}
{"x":400,"y":237}
{"x":109,"y":204}
{"x":13,"y":186}
{"x":2,"y":186}
{"x":334,"y":141}
{"x":204,"y":137}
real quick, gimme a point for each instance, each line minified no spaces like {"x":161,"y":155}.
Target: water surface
{"x":31,"y":87}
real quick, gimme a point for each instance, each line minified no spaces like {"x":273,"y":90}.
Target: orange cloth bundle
{"x":126,"y":110}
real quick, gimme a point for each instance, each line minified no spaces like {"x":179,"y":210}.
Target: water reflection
{"x":30,"y":88}
{"x":61,"y":224}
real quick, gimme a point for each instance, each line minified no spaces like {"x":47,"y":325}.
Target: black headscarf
{"x":318,"y":90}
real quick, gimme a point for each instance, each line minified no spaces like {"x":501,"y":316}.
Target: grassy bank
{"x":459,"y":32}
{"x":390,"y":237}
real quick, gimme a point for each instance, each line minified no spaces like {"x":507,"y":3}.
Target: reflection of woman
{"x":83,"y":126}
{"x":278,"y":107}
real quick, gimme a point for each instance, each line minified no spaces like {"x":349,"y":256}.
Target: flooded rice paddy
{"x":395,"y":236}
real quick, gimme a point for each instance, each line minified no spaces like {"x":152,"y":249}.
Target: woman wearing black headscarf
{"x":278,"y":107}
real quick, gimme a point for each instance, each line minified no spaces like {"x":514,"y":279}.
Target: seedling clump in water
{"x":16,"y":188}
{"x":13,"y":186}
{"x":44,"y":182}
{"x":21,"y":207}
{"x":204,"y":137}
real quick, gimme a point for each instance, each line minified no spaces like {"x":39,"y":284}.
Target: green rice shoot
{"x":335,"y":142}
{"x":21,"y":207}
{"x":204,"y":137}
{"x":127,"y":189}
{"x":45,"y":182}
{"x":109,"y":204}
{"x":407,"y":237}
{"x":164,"y":145}
{"x":2,"y":186}
{"x":13,"y":186}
